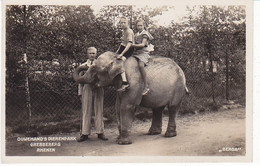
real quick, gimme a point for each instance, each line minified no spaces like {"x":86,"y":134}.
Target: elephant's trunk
{"x":86,"y":78}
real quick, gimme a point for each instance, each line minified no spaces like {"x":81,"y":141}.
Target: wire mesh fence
{"x":214,"y":83}
{"x":42,"y":95}
{"x":55,"y":105}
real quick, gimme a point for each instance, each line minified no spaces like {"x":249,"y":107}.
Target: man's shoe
{"x":102,"y":137}
{"x":82,"y":138}
{"x":123,"y":88}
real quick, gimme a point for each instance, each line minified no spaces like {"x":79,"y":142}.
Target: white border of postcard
{"x":143,"y":159}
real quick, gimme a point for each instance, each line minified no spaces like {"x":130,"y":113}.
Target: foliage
{"x":55,"y":39}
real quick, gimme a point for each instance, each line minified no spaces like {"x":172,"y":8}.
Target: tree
{"x":213,"y":34}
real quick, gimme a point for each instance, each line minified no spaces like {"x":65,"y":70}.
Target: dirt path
{"x":201,"y":134}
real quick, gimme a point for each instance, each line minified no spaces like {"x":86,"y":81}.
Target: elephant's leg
{"x":126,"y":120}
{"x":117,"y":109}
{"x":171,"y":129}
{"x":156,"y":127}
{"x":119,"y":123}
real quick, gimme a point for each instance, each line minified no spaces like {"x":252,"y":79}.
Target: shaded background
{"x":208,"y":43}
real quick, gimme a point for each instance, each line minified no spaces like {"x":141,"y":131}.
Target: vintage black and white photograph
{"x":126,"y":80}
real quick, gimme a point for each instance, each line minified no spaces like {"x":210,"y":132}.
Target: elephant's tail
{"x":185,"y":86}
{"x":187,"y":90}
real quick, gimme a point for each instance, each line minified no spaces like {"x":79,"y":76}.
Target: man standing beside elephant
{"x":91,"y":98}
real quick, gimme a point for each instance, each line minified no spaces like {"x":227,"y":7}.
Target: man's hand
{"x":85,"y":63}
{"x":83,"y":66}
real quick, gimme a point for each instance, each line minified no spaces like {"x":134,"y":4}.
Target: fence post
{"x":131,"y":16}
{"x":28,"y":100}
{"x":212,"y":79}
{"x":227,"y":77}
{"x":27,"y":92}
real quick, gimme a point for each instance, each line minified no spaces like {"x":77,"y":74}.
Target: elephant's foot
{"x":124,"y":141}
{"x":154,"y":131}
{"x":170,"y":134}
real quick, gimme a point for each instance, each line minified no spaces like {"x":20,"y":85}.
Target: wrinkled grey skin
{"x":167,"y":86}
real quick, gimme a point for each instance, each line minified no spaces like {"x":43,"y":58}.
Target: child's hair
{"x":124,"y":18}
{"x":142,"y":21}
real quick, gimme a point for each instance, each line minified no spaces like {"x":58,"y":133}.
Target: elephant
{"x":166,"y":82}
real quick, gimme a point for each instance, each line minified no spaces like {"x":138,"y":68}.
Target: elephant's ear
{"x":116,"y":68}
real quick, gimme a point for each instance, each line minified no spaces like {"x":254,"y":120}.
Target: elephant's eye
{"x":110,"y":65}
